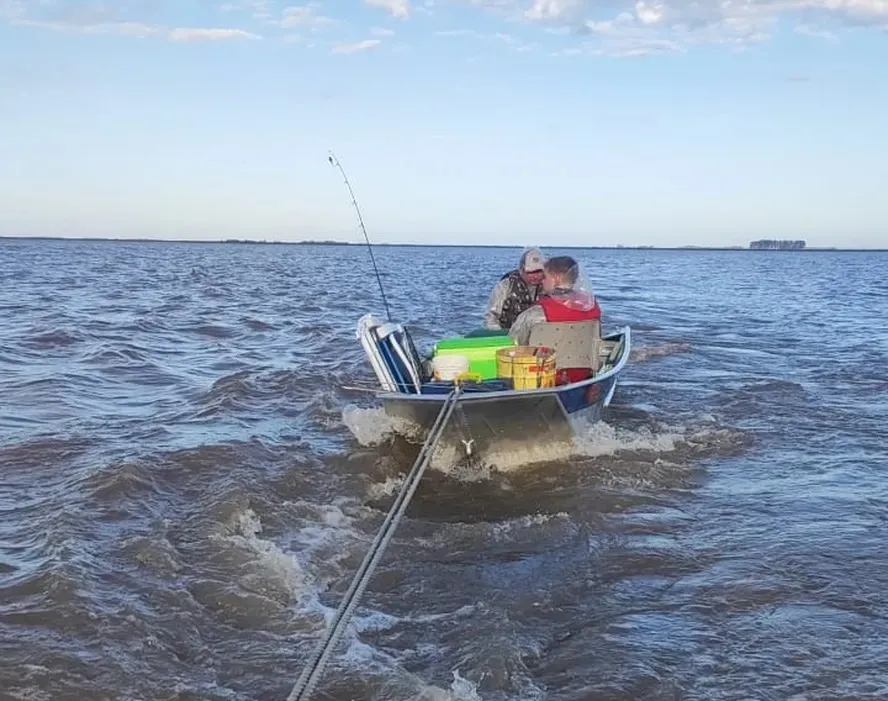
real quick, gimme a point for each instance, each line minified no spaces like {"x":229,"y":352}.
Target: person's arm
{"x":520,"y":330}
{"x":495,"y":306}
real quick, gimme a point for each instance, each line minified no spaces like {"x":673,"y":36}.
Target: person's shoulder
{"x":502,"y":283}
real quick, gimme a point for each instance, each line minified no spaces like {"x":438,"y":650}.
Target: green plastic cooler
{"x":480,"y":350}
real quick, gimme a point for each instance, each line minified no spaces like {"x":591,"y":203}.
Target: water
{"x":184,"y":498}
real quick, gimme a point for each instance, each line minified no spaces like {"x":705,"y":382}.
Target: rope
{"x":312,"y":672}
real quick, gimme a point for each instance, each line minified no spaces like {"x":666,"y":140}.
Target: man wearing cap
{"x":516,"y":291}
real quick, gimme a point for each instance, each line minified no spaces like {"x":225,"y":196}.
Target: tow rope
{"x":312,"y":672}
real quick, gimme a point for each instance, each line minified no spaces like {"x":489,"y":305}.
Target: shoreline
{"x":328,"y":243}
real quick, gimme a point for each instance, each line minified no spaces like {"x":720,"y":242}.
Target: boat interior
{"x":400,"y":368}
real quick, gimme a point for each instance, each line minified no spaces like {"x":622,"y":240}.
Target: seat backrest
{"x":576,"y":343}
{"x":400,"y":355}
{"x":392,"y":355}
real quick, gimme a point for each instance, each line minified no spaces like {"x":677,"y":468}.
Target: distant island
{"x":775,"y":245}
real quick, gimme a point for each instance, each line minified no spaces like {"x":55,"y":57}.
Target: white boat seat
{"x":576,"y":343}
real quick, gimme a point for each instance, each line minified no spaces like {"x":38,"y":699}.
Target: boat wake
{"x":302,"y":579}
{"x":644,"y":441}
{"x":641,"y":354}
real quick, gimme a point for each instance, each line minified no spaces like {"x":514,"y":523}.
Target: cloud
{"x":542,"y":10}
{"x":571,"y":27}
{"x":260,"y":9}
{"x":109,"y":19}
{"x":140,"y":30}
{"x":645,"y":27}
{"x":816,"y":33}
{"x":132,"y":29}
{"x":457,"y":33}
{"x":427,"y":8}
{"x":183,"y":35}
{"x":397,"y":8}
{"x":356,"y":47}
{"x":302,"y":16}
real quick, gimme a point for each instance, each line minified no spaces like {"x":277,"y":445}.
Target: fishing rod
{"x":335,"y":163}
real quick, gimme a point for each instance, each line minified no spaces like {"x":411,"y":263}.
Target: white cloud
{"x":457,"y":33}
{"x":427,"y":7}
{"x":132,"y":29}
{"x":643,"y":27}
{"x":649,"y":14}
{"x":260,"y":9}
{"x":302,"y":16}
{"x":589,"y":27}
{"x":184,"y":35}
{"x":551,"y":9}
{"x":397,"y":8}
{"x":816,"y":33}
{"x":140,"y":31}
{"x":356,"y":47}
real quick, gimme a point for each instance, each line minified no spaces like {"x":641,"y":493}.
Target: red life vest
{"x":556,"y":312}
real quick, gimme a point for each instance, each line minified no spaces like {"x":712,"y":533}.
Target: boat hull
{"x":490,"y":422}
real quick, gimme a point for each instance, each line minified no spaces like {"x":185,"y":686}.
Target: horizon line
{"x":331,"y":242}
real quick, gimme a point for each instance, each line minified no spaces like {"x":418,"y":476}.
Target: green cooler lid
{"x":463,"y":343}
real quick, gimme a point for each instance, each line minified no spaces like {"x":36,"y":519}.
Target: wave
{"x":642,"y":354}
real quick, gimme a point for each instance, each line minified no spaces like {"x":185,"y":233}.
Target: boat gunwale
{"x":624,"y":332}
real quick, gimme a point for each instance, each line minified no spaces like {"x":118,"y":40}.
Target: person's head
{"x":560,"y":272}
{"x":531,"y":266}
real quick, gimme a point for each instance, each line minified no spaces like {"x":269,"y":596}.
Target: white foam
{"x":503,"y":529}
{"x":603,"y":439}
{"x":461,"y":689}
{"x":599,"y":439}
{"x":513,"y":456}
{"x":372,"y":426}
{"x":273,"y":560}
{"x":378,"y":490}
{"x":328,"y":527}
{"x":451,"y":461}
{"x":641,"y":354}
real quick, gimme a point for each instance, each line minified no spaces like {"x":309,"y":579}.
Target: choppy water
{"x":183,"y":499}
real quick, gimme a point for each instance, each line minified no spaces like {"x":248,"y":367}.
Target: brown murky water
{"x":184,"y":498}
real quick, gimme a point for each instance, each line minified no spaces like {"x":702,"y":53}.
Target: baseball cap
{"x":532,"y":260}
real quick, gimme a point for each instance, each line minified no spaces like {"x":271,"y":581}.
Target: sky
{"x":500,"y":122}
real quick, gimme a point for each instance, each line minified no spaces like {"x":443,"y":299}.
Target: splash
{"x":373,"y":426}
{"x":603,"y":439}
{"x":275,"y":563}
{"x":461,"y":689}
{"x":379,"y":490}
{"x":653,"y":443}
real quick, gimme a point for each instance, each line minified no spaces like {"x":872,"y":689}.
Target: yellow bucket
{"x":529,"y":367}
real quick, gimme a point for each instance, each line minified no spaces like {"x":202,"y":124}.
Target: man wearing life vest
{"x":563,"y":300}
{"x":516,"y":291}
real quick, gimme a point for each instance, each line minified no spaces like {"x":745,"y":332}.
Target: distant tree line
{"x":775,"y":245}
